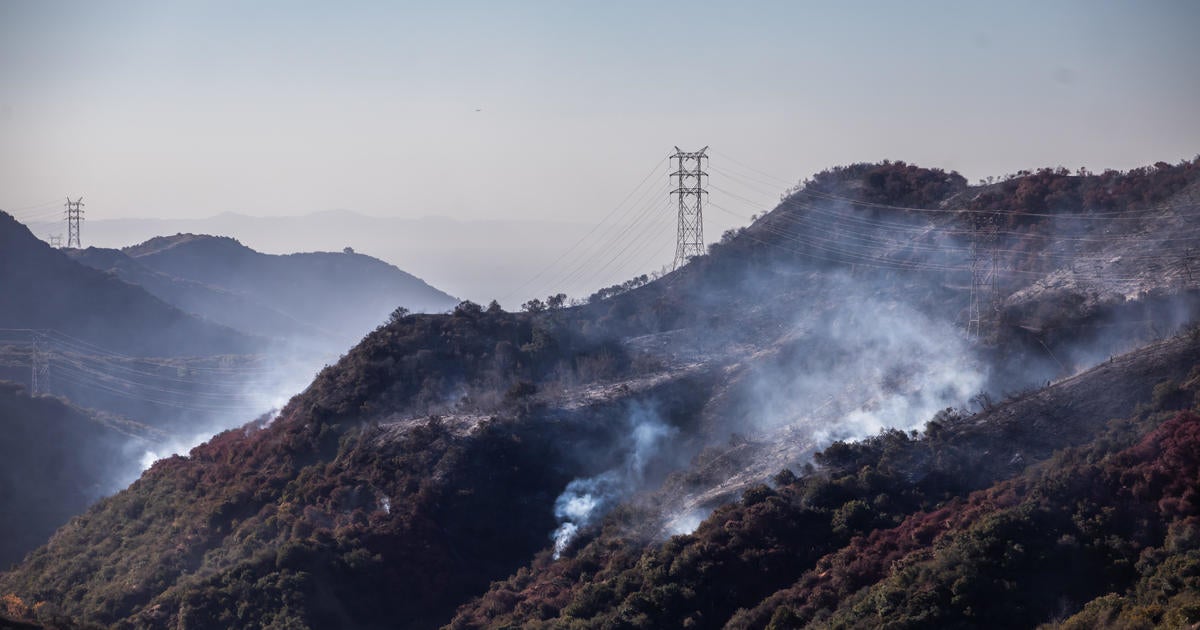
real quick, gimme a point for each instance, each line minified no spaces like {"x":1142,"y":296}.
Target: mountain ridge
{"x":212,"y":302}
{"x":445,"y":453}
{"x":45,"y":289}
{"x":340,"y":294}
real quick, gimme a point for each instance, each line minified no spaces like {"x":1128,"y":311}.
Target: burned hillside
{"x":605,"y":463}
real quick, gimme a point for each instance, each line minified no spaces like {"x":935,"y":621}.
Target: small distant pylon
{"x":40,"y":363}
{"x":690,"y":192}
{"x":74,"y":216}
{"x":55,"y":241}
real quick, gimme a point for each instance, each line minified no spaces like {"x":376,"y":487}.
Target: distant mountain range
{"x":207,"y":307}
{"x":324,"y":298}
{"x":478,"y":260}
{"x":45,"y":289}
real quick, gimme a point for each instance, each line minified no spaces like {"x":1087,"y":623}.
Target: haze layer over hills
{"x":170,"y":341}
{"x":449,"y":254}
{"x":333,"y":298}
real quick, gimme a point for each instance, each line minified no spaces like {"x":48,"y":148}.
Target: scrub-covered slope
{"x":552,"y":454}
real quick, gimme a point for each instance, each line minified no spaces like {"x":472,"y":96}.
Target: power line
{"x":37,"y":216}
{"x":83,"y":379}
{"x":868,"y":227}
{"x":792,"y":201}
{"x":867,"y":253}
{"x":34,"y":206}
{"x":105,"y":374}
{"x":1094,"y":215}
{"x":622,"y":239}
{"x":59,"y":338}
{"x":849,"y":237}
{"x":730,"y":159}
{"x":647,"y":236}
{"x":869,"y":232}
{"x":589,"y":233}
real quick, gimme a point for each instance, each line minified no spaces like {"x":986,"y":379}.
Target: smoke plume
{"x":587,"y":499}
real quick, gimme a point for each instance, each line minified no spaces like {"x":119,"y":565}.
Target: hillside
{"x":340,"y":295}
{"x":44,"y":289}
{"x":483,"y":468}
{"x":798,"y":548}
{"x":299,"y":310}
{"x":87,"y":327}
{"x":55,"y":461}
{"x":235,"y":310}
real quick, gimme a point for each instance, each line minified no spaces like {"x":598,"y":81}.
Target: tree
{"x":468,"y":308}
{"x":398,"y":314}
{"x":533,"y":306}
{"x":555,"y":302}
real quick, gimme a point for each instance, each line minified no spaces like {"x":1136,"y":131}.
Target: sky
{"x":554,"y":111}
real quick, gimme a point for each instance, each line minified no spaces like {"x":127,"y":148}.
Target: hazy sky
{"x":188,"y":109}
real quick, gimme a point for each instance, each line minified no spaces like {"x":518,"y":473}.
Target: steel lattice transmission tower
{"x":74,"y":216}
{"x":985,"y":267}
{"x":689,"y":174}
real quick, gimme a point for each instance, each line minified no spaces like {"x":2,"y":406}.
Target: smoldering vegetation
{"x":834,"y":319}
{"x":847,"y":311}
{"x":587,"y":499}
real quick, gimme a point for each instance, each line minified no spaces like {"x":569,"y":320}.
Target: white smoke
{"x":586,"y":500}
{"x":687,"y":522}
{"x":260,"y":397}
{"x":855,"y":371}
{"x":581,"y":504}
{"x":853,"y":359}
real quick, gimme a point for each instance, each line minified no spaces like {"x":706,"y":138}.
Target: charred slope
{"x":343,"y":294}
{"x":54,"y":462}
{"x":773,"y":536}
{"x":43,"y":288}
